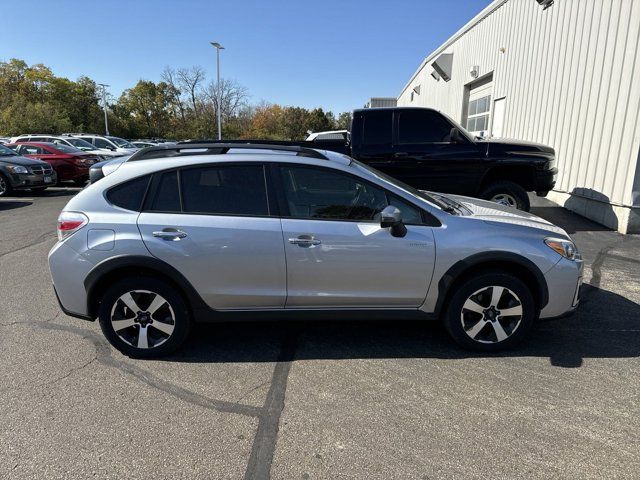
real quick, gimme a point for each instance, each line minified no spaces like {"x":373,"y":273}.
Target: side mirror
{"x":391,"y":218}
{"x":456,"y":136}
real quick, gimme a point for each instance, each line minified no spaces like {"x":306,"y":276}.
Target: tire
{"x":80,"y":182}
{"x":39,"y":189}
{"x":507,"y":193}
{"x":5,"y":186}
{"x":468,"y":317}
{"x":126,"y":336}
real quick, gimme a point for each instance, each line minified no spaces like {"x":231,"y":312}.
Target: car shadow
{"x":11,"y":204}
{"x":606,"y":325}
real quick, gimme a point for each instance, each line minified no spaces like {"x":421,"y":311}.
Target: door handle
{"x":305,"y":241}
{"x":170,"y":234}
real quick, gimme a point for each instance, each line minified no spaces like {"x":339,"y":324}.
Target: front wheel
{"x":144,"y":317}
{"x":5,"y":186}
{"x":507,"y":193}
{"x":490,"y":312}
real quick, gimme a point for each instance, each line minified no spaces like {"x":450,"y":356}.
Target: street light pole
{"x":104,"y":106}
{"x":219,"y":47}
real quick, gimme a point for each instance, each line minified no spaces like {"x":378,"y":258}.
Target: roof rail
{"x":214,"y":148}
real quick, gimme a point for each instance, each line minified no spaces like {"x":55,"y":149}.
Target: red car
{"x":70,"y":163}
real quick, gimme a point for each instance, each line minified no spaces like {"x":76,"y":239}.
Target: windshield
{"x":81,"y":144}
{"x":412,"y":190}
{"x":6,"y":151}
{"x":68,"y":149}
{"x":121,"y":142}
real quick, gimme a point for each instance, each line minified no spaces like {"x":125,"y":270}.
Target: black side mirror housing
{"x":391,"y":218}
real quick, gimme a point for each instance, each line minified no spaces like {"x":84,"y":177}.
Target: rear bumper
{"x":68,"y":268}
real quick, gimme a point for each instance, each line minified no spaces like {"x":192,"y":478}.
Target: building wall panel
{"x":571,"y":78}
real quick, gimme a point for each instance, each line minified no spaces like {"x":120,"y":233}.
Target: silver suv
{"x":210,"y":232}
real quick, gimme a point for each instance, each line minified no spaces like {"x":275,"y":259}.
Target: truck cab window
{"x":377,"y":128}
{"x":423,"y":126}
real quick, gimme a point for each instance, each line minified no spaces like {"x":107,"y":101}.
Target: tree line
{"x":182,"y":105}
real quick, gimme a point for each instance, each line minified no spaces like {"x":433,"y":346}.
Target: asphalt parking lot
{"x":374,"y":400}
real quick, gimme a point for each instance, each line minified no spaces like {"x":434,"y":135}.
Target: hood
{"x":491,"y":212}
{"x":19,"y":160}
{"x":510,"y":145}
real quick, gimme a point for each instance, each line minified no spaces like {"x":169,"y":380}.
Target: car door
{"x":428,"y":159}
{"x":337,"y":254}
{"x":214,"y":225}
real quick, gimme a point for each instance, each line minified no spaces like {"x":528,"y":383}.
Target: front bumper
{"x":24,"y":181}
{"x":545,"y":180}
{"x":564,"y":281}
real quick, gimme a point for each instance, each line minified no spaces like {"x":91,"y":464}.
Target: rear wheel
{"x":144,"y":317}
{"x":507,"y":193}
{"x":490,"y":312}
{"x":5,"y":186}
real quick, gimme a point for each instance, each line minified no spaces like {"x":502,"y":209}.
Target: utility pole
{"x":104,"y":106}
{"x":219,"y":47}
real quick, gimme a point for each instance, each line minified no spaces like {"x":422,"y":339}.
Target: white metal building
{"x":563,"y":73}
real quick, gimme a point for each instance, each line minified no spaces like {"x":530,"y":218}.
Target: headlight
{"x":17,"y":169}
{"x":566,"y":248}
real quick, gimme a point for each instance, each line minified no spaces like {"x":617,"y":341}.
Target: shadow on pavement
{"x":571,"y":222}
{"x":11,"y":204}
{"x":606,"y":325}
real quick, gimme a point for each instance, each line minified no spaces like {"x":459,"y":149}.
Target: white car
{"x":114,"y":144}
{"x":328,"y":135}
{"x":69,"y":141}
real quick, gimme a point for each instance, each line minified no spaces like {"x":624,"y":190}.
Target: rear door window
{"x":165,"y":194}
{"x":224,"y":190}
{"x":102,"y":143}
{"x":377,"y":127}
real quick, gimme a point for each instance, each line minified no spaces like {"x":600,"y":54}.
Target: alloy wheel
{"x":505,"y":199}
{"x":3,"y":186}
{"x":143,"y":319}
{"x":491,"y":314}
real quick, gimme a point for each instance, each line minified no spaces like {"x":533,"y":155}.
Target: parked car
{"x":331,"y":135}
{"x":114,"y":144}
{"x":202,"y":233}
{"x":69,"y":163}
{"x":143,"y":144}
{"x":428,"y":150}
{"x":4,"y":140}
{"x":69,"y":141}
{"x":101,"y":169}
{"x":21,"y":173}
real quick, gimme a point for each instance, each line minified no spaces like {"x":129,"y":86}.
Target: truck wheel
{"x":507,"y":193}
{"x":490,"y":312}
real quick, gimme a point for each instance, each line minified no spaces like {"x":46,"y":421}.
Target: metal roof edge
{"x":488,"y":10}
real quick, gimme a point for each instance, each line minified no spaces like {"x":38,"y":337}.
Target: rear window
{"x":130,"y":194}
{"x":225,"y":190}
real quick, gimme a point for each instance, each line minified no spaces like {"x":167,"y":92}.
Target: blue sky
{"x":332,"y":54}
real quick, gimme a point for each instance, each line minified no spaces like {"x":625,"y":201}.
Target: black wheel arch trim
{"x":193,"y":298}
{"x":464,"y":265}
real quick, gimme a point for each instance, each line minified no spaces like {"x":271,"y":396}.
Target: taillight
{"x":69,"y":223}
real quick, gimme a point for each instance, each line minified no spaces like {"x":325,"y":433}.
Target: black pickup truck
{"x":430,"y":151}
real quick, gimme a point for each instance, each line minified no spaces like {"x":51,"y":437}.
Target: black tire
{"x":177,"y":308}
{"x":5,"y":186}
{"x":459,"y":321}
{"x":509,"y":190}
{"x":80,"y":182}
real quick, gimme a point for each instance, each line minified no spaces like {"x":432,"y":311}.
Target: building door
{"x":478,"y":107}
{"x":498,"y":117}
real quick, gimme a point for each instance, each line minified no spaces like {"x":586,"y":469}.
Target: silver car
{"x":191,"y":233}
